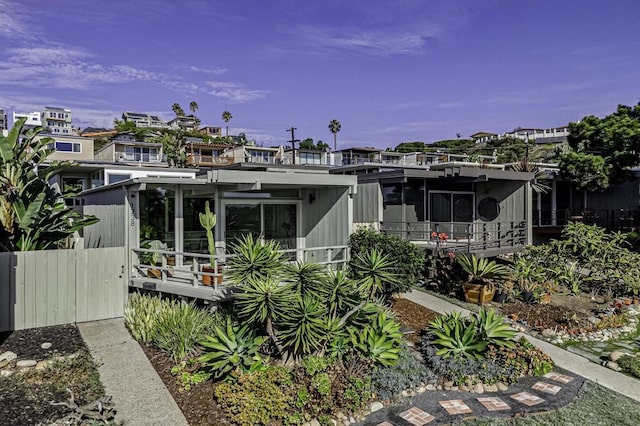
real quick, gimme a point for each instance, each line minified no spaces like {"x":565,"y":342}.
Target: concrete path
{"x":613,"y":380}
{"x":139,"y":394}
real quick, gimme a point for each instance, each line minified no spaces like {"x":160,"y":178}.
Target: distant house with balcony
{"x":256,"y":154}
{"x":69,"y":147}
{"x":144,"y":120}
{"x":305,"y":157}
{"x":57,"y":121}
{"x":206,"y":154}
{"x":184,"y":122}
{"x":4,"y":125}
{"x":124,"y":148}
{"x":534,"y":135}
{"x":211,"y":131}
{"x":32,"y":119}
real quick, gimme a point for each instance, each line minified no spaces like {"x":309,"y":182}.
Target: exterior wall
{"x":510,"y":194}
{"x":107,"y":153}
{"x":367,"y":204}
{"x":86,"y":148}
{"x":108,"y":206}
{"x":50,"y":287}
{"x":328,"y":220}
{"x":623,"y":196}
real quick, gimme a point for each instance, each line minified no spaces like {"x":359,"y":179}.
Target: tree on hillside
{"x":177,"y":110}
{"x":33,"y":215}
{"x":335,"y":127}
{"x":226,"y":117}
{"x":509,"y":149}
{"x":309,"y":144}
{"x":602,"y":149}
{"x":173,"y":147}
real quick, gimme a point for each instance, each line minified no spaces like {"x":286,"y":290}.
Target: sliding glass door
{"x":452,"y":212}
{"x":273,"y":221}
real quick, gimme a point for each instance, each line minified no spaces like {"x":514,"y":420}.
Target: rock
{"x":454,"y":388}
{"x":340,"y":415}
{"x":3,"y":364}
{"x":72,"y":356}
{"x":346,"y":422}
{"x":448,"y":388}
{"x":6,"y":373}
{"x":594,"y":320}
{"x":478,"y":388}
{"x":42,"y":365}
{"x":314,"y":422}
{"x":616,"y":355}
{"x":464,"y":388}
{"x":405,"y":393}
{"x":421,"y":389}
{"x":8,"y":356}
{"x":375,"y":406}
{"x":334,"y":422}
{"x":26,"y":363}
{"x":502,"y":386}
{"x":612,"y":365}
{"x":431,"y":387}
{"x":45,"y":345}
{"x":547,"y":332}
{"x":491,"y":388}
{"x":351,"y":419}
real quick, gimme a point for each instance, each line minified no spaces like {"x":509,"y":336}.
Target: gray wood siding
{"x":110,"y":230}
{"x":326,"y":221}
{"x":367,"y":203}
{"x":510,"y":195}
{"x":43,"y":288}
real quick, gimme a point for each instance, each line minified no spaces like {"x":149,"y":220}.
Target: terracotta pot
{"x":545,"y":299}
{"x":208,"y":280}
{"x":636,"y":301}
{"x":628,"y":301}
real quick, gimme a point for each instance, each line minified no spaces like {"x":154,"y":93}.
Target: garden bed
{"x":60,"y":361}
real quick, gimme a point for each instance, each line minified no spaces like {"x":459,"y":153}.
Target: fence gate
{"x":50,"y":287}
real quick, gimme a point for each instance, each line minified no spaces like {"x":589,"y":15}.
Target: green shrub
{"x":389,"y":382}
{"x":231,"y":349}
{"x":179,"y":327}
{"x":480,"y":268}
{"x":254,"y":259}
{"x":630,"y":365}
{"x":379,"y":341}
{"x":141,"y":315}
{"x":303,"y":328}
{"x":374,"y":274}
{"x":408,"y":259}
{"x":261,"y":397}
{"x":468,"y":337}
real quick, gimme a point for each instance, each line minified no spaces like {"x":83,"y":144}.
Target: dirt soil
{"x":25,"y":396}
{"x":198,"y":405}
{"x":414,"y":316}
{"x":569,"y":313}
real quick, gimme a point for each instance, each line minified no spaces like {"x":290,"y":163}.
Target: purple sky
{"x":389,"y":71}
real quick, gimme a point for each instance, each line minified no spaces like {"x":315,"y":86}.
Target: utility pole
{"x":526,"y":153}
{"x":293,"y":142}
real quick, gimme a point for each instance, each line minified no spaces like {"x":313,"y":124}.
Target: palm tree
{"x":193,"y":106}
{"x":334,"y":127}
{"x":226,"y":117}
{"x":177,"y":109}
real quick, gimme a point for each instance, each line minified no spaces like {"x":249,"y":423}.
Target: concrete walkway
{"x":613,"y":380}
{"x":139,"y":394}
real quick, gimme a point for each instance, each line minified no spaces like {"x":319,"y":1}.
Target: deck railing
{"x":461,"y":236}
{"x":186,"y":268}
{"x":612,"y":219}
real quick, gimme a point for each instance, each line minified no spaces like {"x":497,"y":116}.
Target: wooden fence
{"x":43,"y":288}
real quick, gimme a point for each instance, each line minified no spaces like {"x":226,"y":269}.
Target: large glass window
{"x":68,"y":147}
{"x":195,"y":236}
{"x":241,"y":219}
{"x":157,"y":216}
{"x":146,"y":155}
{"x":451,"y":212}
{"x":310,"y":158}
{"x":272,"y":221}
{"x":280,"y":224}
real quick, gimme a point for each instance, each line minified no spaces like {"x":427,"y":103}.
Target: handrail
{"x":333,"y":256}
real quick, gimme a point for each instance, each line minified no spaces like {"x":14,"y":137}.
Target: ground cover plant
{"x":25,"y":396}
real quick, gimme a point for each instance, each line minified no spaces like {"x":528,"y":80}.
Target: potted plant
{"x":503,"y":290}
{"x":208,"y":221}
{"x":481,"y":272}
{"x":152,"y":259}
{"x":527,"y":274}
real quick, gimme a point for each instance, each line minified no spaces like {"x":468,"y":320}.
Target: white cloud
{"x":235,"y":92}
{"x":13,"y":24}
{"x":207,"y":70}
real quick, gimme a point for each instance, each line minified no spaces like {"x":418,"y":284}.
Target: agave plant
{"x":303,"y":330}
{"x":308,"y":278}
{"x":382,"y":348}
{"x":230,"y":349}
{"x":254,"y":259}
{"x":372,"y":271}
{"x":456,"y":337}
{"x":263,"y":302}
{"x":492,"y":328}
{"x":340,"y":293}
{"x":481,"y":269}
